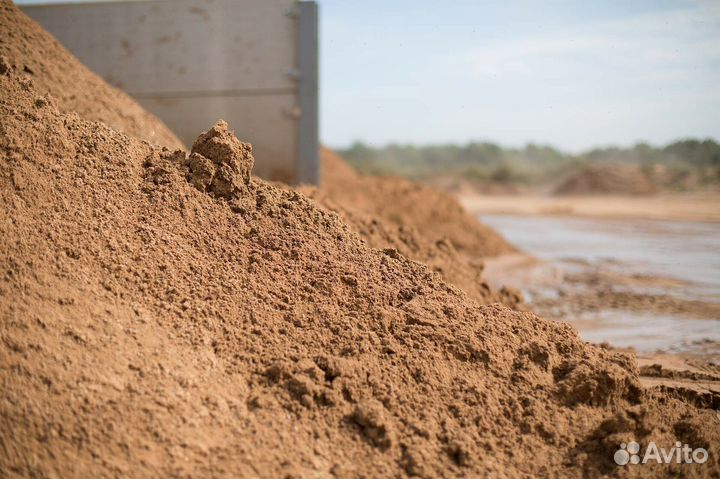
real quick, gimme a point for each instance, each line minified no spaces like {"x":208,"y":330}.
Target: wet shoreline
{"x":648,"y":285}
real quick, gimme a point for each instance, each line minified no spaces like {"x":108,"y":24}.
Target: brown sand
{"x":396,"y":213}
{"x":36,"y":53}
{"x":168,"y":315}
{"x":607,"y":179}
{"x":460,"y":186}
{"x":404,"y":203}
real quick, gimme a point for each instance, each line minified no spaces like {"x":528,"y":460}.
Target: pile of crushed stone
{"x":435,"y":230}
{"x":166,"y":314}
{"x":607,"y":179}
{"x":30,"y":49}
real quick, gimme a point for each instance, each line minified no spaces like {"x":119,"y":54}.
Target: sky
{"x":572,"y":74}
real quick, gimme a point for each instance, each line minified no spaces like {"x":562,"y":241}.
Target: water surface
{"x":685,"y":251}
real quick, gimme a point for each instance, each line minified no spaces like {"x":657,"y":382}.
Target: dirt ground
{"x":671,"y":206}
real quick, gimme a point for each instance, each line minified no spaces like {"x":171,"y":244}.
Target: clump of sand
{"x":607,"y":179}
{"x":33,"y":51}
{"x":166,"y":314}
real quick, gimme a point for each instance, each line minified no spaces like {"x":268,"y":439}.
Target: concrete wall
{"x":191,"y":62}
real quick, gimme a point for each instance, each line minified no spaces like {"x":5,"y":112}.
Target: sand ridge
{"x":607,"y":179}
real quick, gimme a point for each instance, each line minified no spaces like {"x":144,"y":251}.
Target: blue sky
{"x":571,"y":74}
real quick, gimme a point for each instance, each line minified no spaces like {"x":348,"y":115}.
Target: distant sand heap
{"x":607,"y":179}
{"x":166,"y":314}
{"x":402,"y":202}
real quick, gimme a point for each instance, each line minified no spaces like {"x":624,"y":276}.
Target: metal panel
{"x":190,"y":62}
{"x":308,"y":135}
{"x":180,"y":45}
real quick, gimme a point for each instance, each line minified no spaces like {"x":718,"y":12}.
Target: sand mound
{"x":373,"y":207}
{"x":33,"y":51}
{"x":166,"y":314}
{"x":607,"y":179}
{"x":401,"y":202}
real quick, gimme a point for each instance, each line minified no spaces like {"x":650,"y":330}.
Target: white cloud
{"x":676,"y":38}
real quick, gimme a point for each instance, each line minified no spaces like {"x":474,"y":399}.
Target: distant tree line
{"x":531,"y":164}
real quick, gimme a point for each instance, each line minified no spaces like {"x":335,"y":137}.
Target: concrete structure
{"x":253,"y":63}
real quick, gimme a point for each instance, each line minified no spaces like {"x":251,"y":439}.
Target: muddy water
{"x":682,"y":260}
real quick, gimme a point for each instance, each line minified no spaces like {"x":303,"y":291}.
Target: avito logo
{"x":680,"y":454}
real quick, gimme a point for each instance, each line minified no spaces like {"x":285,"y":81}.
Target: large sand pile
{"x":422,"y":223}
{"x":166,"y":314}
{"x":35,"y":52}
{"x":607,"y":179}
